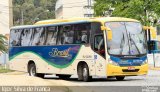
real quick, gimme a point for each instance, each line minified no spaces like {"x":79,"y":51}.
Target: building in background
{"x":6,"y":21}
{"x":74,"y":8}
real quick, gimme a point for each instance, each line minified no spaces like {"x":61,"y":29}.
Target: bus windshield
{"x":128,"y":39}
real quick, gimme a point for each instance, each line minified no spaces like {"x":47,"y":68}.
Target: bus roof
{"x":47,"y":24}
{"x":93,"y":19}
{"x":74,"y":21}
{"x":22,"y":26}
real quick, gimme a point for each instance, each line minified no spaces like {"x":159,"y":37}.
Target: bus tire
{"x":80,"y":72}
{"x":64,"y":76}
{"x":32,"y":70}
{"x":85,"y":73}
{"x":120,"y":78}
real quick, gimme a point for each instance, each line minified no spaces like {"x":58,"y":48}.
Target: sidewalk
{"x":154,"y":68}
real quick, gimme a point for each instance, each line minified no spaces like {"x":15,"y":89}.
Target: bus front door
{"x":99,"y":48}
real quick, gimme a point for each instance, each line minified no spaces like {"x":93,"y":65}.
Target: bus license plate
{"x":131,"y":68}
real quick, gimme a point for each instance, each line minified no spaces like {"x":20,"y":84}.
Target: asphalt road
{"x":152,"y":79}
{"x":96,"y":85}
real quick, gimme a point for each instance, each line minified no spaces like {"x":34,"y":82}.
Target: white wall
{"x":6,"y":21}
{"x":5,"y":16}
{"x":72,"y":8}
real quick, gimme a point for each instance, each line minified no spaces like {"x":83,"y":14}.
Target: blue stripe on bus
{"x":129,"y":62}
{"x":57,"y":55}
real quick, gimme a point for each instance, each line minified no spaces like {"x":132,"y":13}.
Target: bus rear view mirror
{"x":152,"y":30}
{"x":109,"y":35}
{"x":103,"y":28}
{"x":109,"y":32}
{"x":146,"y":28}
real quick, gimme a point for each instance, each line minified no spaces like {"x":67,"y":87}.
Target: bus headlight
{"x":112,"y":62}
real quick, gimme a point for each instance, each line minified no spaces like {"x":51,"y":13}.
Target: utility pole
{"x":88,"y":2}
{"x":89,"y":8}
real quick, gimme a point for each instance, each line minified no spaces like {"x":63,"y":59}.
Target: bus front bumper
{"x":113,"y":70}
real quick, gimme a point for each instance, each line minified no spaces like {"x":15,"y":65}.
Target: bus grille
{"x":126,"y":70}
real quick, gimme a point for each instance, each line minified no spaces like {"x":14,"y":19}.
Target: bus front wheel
{"x":120,"y":78}
{"x":85,"y":73}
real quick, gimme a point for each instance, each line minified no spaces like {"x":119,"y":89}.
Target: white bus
{"x":109,"y":46}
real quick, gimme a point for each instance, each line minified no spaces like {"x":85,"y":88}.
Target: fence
{"x":4,"y":60}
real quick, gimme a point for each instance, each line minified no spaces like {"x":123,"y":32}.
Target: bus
{"x":87,"y":47}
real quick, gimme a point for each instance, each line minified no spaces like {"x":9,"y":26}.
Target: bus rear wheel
{"x":32,"y":71}
{"x":120,"y":78}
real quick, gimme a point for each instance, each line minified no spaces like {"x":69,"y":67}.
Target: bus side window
{"x":65,"y":35}
{"x":99,"y":44}
{"x":95,"y":29}
{"x":82,"y":33}
{"x":68,"y":34}
{"x":59,"y":35}
{"x":43,"y":37}
{"x":51,"y":35}
{"x":15,"y":39}
{"x":26,"y":37}
{"x":37,"y":36}
{"x":12,"y":38}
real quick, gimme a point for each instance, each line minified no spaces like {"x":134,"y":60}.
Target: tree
{"x":25,"y":11}
{"x":147,"y":11}
{"x":3,"y":44}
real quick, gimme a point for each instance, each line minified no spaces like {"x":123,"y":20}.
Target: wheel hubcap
{"x":84,"y":72}
{"x":33,"y":71}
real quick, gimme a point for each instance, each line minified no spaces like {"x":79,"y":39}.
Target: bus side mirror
{"x":109,"y":35}
{"x":109,"y":32}
{"x":152,"y":30}
{"x":145,"y":28}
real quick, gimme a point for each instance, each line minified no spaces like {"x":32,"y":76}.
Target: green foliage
{"x":3,"y":44}
{"x":147,"y":11}
{"x":28,"y":11}
{"x":18,"y":2}
{"x":4,"y":70}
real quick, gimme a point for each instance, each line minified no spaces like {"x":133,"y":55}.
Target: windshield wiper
{"x":134,"y":43}
{"x":122,"y":44}
{"x":128,"y":39}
